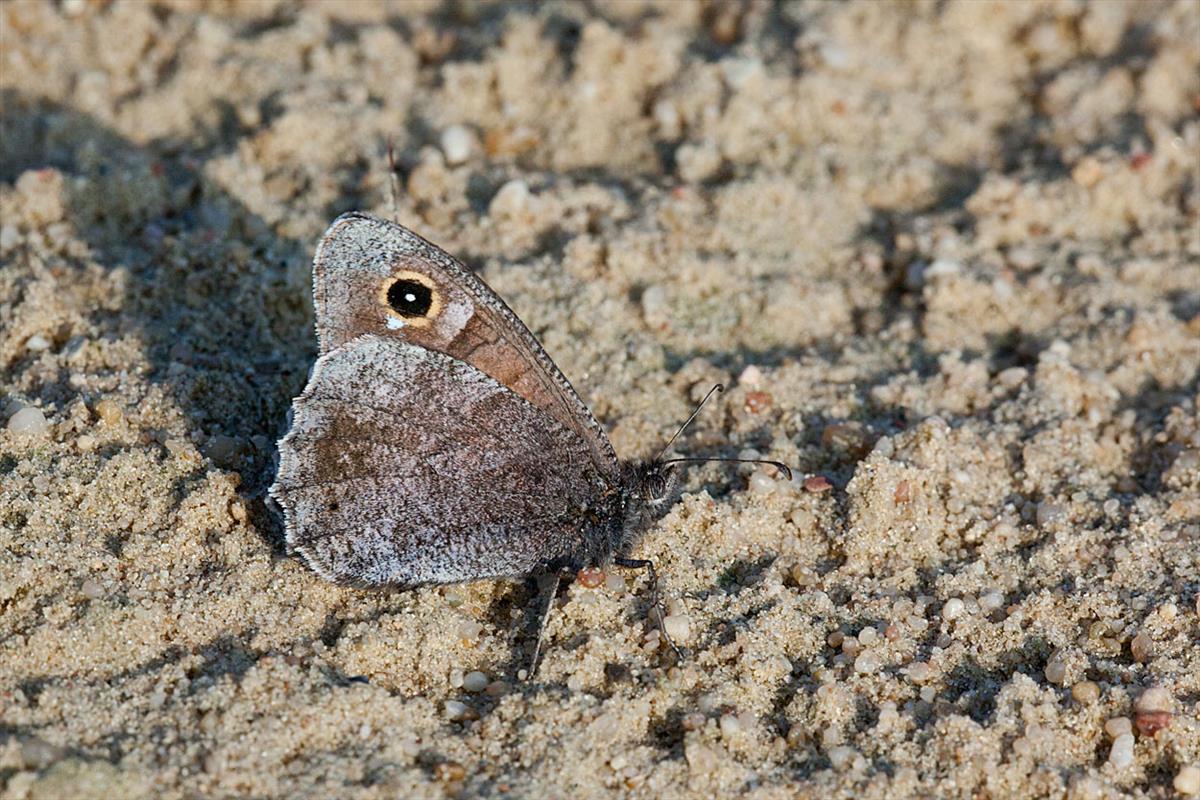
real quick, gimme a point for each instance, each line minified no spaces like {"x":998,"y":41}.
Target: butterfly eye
{"x":410,"y":298}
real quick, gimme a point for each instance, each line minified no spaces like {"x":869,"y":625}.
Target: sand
{"x":946,"y":256}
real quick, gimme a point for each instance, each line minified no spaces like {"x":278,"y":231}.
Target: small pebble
{"x":29,"y":421}
{"x":1187,"y":781}
{"x":455,"y":710}
{"x":1141,"y":647}
{"x":751,"y":377}
{"x":1085,"y":692}
{"x":866,"y":663}
{"x":730,"y":725}
{"x":1149,"y":723}
{"x":868,"y":636}
{"x":678,"y":627}
{"x":1155,"y":698}
{"x":761,"y":483}
{"x":1056,"y":671}
{"x":1118,"y":726}
{"x":475,"y":681}
{"x":758,"y":402}
{"x":991,"y":601}
{"x":458,"y":143}
{"x":918,"y":671}
{"x":109,"y":412}
{"x":469,"y":630}
{"x":1121,"y":753}
{"x":91,"y":590}
{"x":590,"y":577}
{"x":817,"y":484}
{"x":37,"y":343}
{"x":615,"y":584}
{"x":953,"y":608}
{"x":450,"y":771}
{"x":496,"y":689}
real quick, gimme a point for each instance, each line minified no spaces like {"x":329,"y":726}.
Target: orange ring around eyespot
{"x":435,"y":298}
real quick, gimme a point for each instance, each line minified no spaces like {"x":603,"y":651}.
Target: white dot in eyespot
{"x":410,"y":298}
{"x":394,"y":323}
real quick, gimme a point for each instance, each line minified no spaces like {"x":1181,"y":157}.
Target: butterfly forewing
{"x":376,"y":277}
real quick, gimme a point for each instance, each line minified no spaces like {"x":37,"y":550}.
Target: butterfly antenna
{"x":394,"y":179}
{"x":779,"y":465}
{"x":714,"y":390}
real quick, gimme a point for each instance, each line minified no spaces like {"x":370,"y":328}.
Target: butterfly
{"x":436,"y":442}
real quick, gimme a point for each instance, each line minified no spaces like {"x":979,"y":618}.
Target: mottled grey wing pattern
{"x":406,"y":466}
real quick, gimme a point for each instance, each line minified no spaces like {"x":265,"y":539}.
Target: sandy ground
{"x":947,"y":256}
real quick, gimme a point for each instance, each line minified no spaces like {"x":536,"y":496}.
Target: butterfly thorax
{"x":616,"y":522}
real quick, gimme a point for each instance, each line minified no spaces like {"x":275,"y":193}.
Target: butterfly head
{"x":653,"y":487}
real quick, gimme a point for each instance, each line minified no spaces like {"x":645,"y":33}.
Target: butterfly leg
{"x":541,"y":632}
{"x":655,"y":600}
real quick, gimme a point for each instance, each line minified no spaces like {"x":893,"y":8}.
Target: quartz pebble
{"x":37,"y":343}
{"x":761,"y":483}
{"x":1155,"y":698}
{"x":866,"y":663}
{"x":29,"y":421}
{"x":1118,"y":726}
{"x":678,"y":627}
{"x":1085,"y":692}
{"x":1187,"y":781}
{"x":458,"y":144}
{"x":455,"y":710}
{"x":1120,"y":755}
{"x":475,"y":681}
{"x":1056,"y":671}
{"x":953,"y":608}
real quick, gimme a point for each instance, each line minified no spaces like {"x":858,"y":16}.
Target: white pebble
{"x":1155,"y":698}
{"x":751,"y":377}
{"x":511,"y":200}
{"x":866,"y":663}
{"x":1187,"y":781}
{"x":761,"y":483}
{"x":1121,"y":754}
{"x":469,"y":630}
{"x":458,"y":143}
{"x":953,"y":608}
{"x":1118,"y":726}
{"x":455,"y":710}
{"x":918,"y":671}
{"x":37,"y":343}
{"x":678,"y":627}
{"x":991,"y":601}
{"x":29,"y":421}
{"x":615,"y":583}
{"x":868,"y":637}
{"x":730,"y":725}
{"x":475,"y":681}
